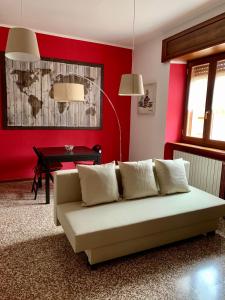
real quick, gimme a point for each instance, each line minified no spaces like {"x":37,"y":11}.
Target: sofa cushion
{"x":171,"y":176}
{"x":98,"y":183}
{"x":92,"y":227}
{"x":138,"y":179}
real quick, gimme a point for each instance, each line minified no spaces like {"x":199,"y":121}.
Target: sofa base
{"x":108,"y":252}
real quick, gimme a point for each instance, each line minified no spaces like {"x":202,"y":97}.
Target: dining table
{"x":60,"y":154}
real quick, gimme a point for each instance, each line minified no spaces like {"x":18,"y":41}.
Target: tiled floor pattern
{"x":37,"y":261}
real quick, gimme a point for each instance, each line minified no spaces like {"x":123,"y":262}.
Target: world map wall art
{"x":30,"y":101}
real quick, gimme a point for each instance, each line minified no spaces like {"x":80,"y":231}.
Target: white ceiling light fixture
{"x":131,"y":84}
{"x":22,"y":44}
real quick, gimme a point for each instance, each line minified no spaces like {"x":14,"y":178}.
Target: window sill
{"x":199,"y":150}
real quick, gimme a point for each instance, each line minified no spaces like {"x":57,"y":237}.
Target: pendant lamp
{"x":131,"y":84}
{"x":22,"y":44}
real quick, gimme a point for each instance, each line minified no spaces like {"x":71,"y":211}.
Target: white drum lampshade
{"x":131,"y":85}
{"x":67,"y":92}
{"x":22,"y":45}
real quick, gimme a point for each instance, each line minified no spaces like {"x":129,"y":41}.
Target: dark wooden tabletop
{"x":60,"y":154}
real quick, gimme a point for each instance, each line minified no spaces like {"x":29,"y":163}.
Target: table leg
{"x":47,"y":190}
{"x":40,"y":181}
{"x":97,"y":160}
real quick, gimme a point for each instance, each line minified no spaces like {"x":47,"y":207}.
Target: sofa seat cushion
{"x":92,"y":227}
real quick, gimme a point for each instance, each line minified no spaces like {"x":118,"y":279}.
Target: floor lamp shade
{"x":131,"y":85}
{"x":66,"y":92}
{"x":22,"y":45}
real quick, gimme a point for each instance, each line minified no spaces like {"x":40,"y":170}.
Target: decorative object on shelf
{"x":30,"y":97}
{"x":22,"y":43}
{"x":147,"y":103}
{"x":72,"y":93}
{"x":131,"y":84}
{"x":69,"y":148}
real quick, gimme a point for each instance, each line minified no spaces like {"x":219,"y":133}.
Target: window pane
{"x":196,"y":100}
{"x":217,"y":131}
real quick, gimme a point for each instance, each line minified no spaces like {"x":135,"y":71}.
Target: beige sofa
{"x":116,"y":229}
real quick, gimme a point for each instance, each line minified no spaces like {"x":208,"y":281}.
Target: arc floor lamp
{"x":130,"y":85}
{"x":69,"y":92}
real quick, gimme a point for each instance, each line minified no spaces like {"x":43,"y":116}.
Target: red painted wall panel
{"x":16,"y":154}
{"x":175,"y":108}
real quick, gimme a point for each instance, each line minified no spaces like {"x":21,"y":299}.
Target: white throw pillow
{"x":138,"y":179}
{"x":171,"y":176}
{"x":98,"y":183}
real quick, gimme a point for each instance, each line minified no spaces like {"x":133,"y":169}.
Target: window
{"x":217,"y":126}
{"x":205,"y":110}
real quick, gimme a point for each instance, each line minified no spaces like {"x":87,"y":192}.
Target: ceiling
{"x":105,"y":21}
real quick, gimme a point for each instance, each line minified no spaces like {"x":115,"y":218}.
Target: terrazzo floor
{"x":37,"y":261}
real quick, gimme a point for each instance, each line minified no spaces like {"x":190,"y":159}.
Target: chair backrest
{"x":40,"y":159}
{"x":38,"y":154}
{"x":97,"y":148}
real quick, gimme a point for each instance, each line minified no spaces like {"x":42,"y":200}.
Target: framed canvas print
{"x":147,"y":103}
{"x":29,"y":100}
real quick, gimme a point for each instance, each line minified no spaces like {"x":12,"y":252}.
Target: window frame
{"x":205,"y":140}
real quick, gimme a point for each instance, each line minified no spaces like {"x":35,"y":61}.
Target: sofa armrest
{"x":66,"y":188}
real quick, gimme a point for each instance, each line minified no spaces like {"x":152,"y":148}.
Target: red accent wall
{"x":175,"y":108}
{"x":16,"y":155}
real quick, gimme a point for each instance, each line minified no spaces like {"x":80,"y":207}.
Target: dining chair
{"x":97,"y":148}
{"x":41,"y":168}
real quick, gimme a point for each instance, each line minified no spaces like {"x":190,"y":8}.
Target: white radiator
{"x":205,"y":173}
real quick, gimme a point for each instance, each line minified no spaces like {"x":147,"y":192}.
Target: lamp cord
{"x":133,"y":31}
{"x":21,"y":9}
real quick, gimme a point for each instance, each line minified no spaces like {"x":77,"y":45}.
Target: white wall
{"x":148,"y":131}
